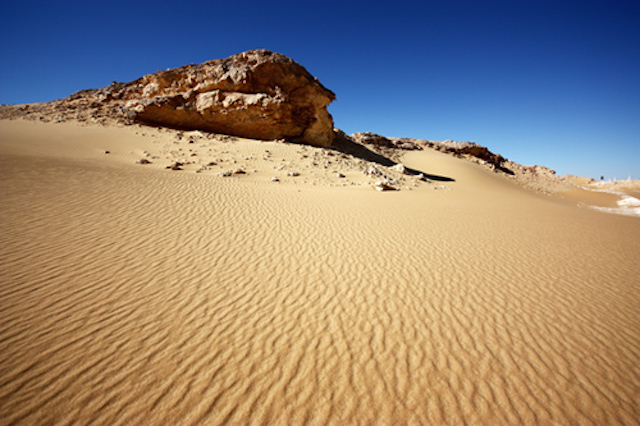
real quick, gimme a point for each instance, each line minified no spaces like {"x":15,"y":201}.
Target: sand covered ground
{"x":134,"y":294}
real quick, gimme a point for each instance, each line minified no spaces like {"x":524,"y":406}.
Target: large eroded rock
{"x":256,"y":94}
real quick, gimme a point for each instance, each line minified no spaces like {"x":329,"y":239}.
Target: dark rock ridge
{"x":466,"y":149}
{"x":472,"y":150}
{"x":256,"y":94}
{"x":368,"y":138}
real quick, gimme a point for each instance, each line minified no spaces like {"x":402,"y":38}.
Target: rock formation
{"x":263,"y":95}
{"x":466,"y":149}
{"x":368,"y":138}
{"x":256,"y":94}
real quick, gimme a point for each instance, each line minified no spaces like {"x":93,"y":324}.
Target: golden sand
{"x":132,"y":294}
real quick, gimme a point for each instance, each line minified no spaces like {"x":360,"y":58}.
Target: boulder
{"x":256,"y":94}
{"x":384,"y":186}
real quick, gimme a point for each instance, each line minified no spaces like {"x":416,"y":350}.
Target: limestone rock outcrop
{"x":256,"y":94}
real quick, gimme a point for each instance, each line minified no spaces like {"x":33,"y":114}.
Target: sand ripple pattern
{"x":145,"y":297}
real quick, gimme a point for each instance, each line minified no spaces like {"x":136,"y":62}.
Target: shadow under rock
{"x":347,"y":146}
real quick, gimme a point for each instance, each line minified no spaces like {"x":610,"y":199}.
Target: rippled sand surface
{"x":136,"y":295}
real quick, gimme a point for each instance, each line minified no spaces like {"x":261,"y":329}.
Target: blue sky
{"x":555,"y":83}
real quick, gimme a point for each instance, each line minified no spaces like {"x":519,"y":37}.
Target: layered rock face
{"x":256,"y":94}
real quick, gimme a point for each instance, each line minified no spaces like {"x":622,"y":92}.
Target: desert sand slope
{"x":132,"y":294}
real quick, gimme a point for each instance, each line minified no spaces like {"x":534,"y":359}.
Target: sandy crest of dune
{"x":135,"y":294}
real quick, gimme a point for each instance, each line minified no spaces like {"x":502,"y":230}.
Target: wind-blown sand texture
{"x":132,"y":294}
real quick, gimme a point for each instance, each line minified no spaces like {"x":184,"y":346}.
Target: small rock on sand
{"x":383,"y":186}
{"x":175,"y":166}
{"x":400,"y":168}
{"x":373,"y":171}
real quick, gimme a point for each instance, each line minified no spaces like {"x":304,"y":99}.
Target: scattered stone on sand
{"x":275,"y":179}
{"x":373,"y":171}
{"x":339,"y":175}
{"x":143,"y":161}
{"x":175,"y":166}
{"x":293,"y":174}
{"x":384,"y":186}
{"x":400,"y":168}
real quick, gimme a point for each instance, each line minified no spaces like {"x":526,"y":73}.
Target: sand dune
{"x":132,"y":294}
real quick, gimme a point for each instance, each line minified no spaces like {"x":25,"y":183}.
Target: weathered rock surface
{"x":467,"y":149}
{"x":256,"y":94}
{"x":368,"y":138}
{"x":372,"y":139}
{"x":383,"y":186}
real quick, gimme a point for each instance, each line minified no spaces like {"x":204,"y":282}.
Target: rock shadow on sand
{"x":347,"y":146}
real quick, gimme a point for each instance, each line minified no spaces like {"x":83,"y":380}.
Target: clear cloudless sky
{"x":555,"y":83}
